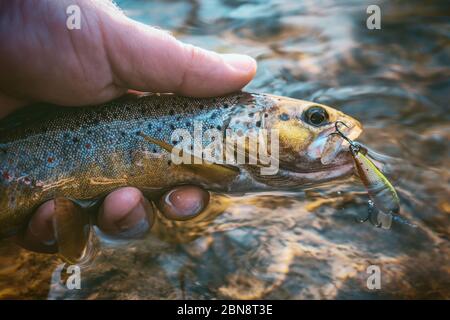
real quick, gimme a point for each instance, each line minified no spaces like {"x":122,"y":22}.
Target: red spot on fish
{"x":50,"y":159}
{"x":87,"y":145}
{"x":6,"y":175}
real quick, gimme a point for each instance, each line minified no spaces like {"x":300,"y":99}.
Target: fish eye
{"x":316,"y":116}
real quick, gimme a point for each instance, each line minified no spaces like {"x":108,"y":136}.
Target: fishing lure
{"x":381,"y":192}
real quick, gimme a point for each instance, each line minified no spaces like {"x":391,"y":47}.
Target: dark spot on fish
{"x":138,"y":133}
{"x":87,"y":145}
{"x":225,"y":105}
{"x":154,"y":150}
{"x":284,"y":117}
{"x":171,"y":112}
{"x":169,"y":162}
{"x":172,"y":127}
{"x":75,"y":140}
{"x":149,"y":126}
{"x":258,"y":123}
{"x":213,"y":115}
{"x":266,"y":115}
{"x":201,"y":107}
{"x":219,"y":127}
{"x":251,"y":114}
{"x":50,"y":159}
{"x":123,"y":133}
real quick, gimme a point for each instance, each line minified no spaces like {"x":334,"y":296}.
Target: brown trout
{"x":84,"y":153}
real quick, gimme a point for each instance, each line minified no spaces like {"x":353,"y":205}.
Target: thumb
{"x":148,"y":59}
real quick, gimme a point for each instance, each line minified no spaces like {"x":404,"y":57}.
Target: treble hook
{"x":371,"y":211}
{"x":353,"y":146}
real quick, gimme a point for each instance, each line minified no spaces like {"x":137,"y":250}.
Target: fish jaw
{"x":329,"y":145}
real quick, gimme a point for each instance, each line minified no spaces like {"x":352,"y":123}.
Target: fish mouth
{"x":330,"y":151}
{"x":336,"y":144}
{"x":342,"y":159}
{"x":319,"y":173}
{"x":328,"y":156}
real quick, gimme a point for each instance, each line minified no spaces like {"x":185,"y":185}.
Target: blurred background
{"x":300,"y":245}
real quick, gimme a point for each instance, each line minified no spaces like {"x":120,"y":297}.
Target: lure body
{"x":380,"y":190}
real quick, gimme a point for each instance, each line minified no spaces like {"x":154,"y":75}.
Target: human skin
{"x":41,"y":60}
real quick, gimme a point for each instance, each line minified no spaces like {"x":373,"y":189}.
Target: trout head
{"x":307,"y":152}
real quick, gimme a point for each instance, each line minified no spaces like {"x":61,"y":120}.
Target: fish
{"x":84,"y":153}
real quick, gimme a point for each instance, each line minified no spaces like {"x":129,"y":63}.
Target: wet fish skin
{"x":84,"y":153}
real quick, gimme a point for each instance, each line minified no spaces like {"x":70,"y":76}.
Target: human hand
{"x":42,"y":60}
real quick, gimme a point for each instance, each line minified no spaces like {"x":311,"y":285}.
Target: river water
{"x":306,"y":244}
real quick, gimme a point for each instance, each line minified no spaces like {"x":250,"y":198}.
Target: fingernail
{"x":240,"y":62}
{"x":184,"y":203}
{"x":137,"y":221}
{"x":40,"y":226}
{"x":39,"y":237}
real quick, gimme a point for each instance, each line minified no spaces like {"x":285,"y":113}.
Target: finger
{"x":183,"y":203}
{"x":148,"y":59}
{"x":8,"y":105}
{"x":39,"y":235}
{"x":125,"y":213}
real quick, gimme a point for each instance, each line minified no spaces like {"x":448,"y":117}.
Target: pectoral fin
{"x":213,"y":171}
{"x":73,"y":232}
